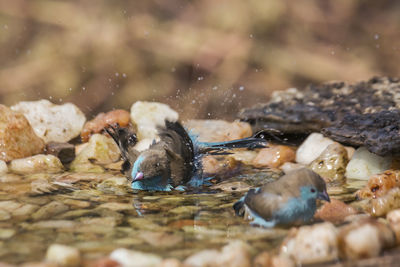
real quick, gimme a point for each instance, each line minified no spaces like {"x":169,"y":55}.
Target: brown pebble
{"x":335,"y":211}
{"x":274,"y":156}
{"x":64,"y":151}
{"x":262,"y":260}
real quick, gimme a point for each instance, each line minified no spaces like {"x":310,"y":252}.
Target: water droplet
{"x":215,"y":87}
{"x":116,"y":74}
{"x":333,"y":53}
{"x":124,"y":75}
{"x":193,"y":101}
{"x":376,"y":36}
{"x":200,"y":78}
{"x":241,"y":88}
{"x":83,"y":88}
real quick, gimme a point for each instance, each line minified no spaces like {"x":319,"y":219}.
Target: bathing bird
{"x":290,"y":200}
{"x":174,"y":161}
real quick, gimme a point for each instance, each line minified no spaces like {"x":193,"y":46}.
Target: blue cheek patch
{"x":136,"y":166}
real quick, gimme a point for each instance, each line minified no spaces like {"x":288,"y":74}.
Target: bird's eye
{"x":312,"y":190}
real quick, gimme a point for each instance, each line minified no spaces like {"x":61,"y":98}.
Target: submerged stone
{"x":379,"y":184}
{"x":274,"y":156}
{"x":37,"y":163}
{"x":51,"y":122}
{"x":132,"y":258}
{"x":331,"y":164}
{"x":360,"y":114}
{"x":63,"y":255}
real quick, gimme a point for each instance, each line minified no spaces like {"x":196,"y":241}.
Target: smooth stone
{"x":170,"y":262}
{"x":335,"y":211}
{"x":17,"y":138}
{"x":103,"y":120}
{"x":331,"y":164}
{"x":311,"y":148}
{"x":393,"y":217}
{"x":290,"y":166}
{"x":147,"y":116}
{"x":364,"y":164}
{"x":132,"y":258}
{"x":218,"y":165}
{"x":102,"y":221}
{"x":9,"y":205}
{"x":63,"y":255}
{"x":116,"y":206}
{"x":37,"y":163}
{"x":365,"y":239}
{"x":382,"y":205}
{"x":49,"y":210}
{"x":274,"y":156}
{"x":64,"y":151}
{"x":51,"y":122}
{"x":7,"y":233}
{"x":77,"y":203}
{"x":3,"y":167}
{"x":24,"y":211}
{"x":311,"y":244}
{"x":100,"y":150}
{"x":236,"y":186}
{"x":218,"y":130}
{"x":244,"y":156}
{"x":160,"y":239}
{"x":4,"y":215}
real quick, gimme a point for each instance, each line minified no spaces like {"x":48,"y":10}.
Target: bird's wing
{"x":177,"y":164}
{"x":263,"y":203}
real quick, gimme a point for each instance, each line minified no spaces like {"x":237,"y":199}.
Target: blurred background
{"x":206,"y":58}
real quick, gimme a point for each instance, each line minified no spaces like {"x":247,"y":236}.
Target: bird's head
{"x":149,"y":164}
{"x":312,"y":186}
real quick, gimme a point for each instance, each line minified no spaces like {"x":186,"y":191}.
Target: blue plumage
{"x":290,"y":200}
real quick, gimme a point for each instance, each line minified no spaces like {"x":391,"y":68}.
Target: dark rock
{"x":364,"y":113}
{"x":64,"y":151}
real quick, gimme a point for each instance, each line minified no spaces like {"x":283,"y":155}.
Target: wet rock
{"x":244,"y":156}
{"x":64,"y":151}
{"x":290,"y":166}
{"x":24,"y":211}
{"x":237,"y":186}
{"x":375,"y":104}
{"x":77,"y":203}
{"x":103,"y":262}
{"x":49,"y":210}
{"x":132,"y":258}
{"x":17,"y":138}
{"x":37,"y":163}
{"x":56,"y":224}
{"x":57,"y":123}
{"x":331,"y":164}
{"x":161,"y":239}
{"x":171,"y":263}
{"x":116,"y":206}
{"x":311,"y":148}
{"x":63,"y":255}
{"x":379,"y":184}
{"x":393,"y":217}
{"x":378,"y":132}
{"x":274,"y":156}
{"x":100,"y":150}
{"x":364,"y":164}
{"x":218,"y":130}
{"x":382,"y":205}
{"x":7,"y":233}
{"x":311,"y":244}
{"x":39,"y":264}
{"x":218,"y":165}
{"x":335,"y":211}
{"x":148,"y":115}
{"x":4,"y":215}
{"x":3,"y":167}
{"x":365,"y":239}
{"x":263,"y":259}
{"x":102,"y":120}
{"x":236,"y":253}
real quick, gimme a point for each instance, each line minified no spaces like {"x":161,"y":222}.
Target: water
{"x":98,"y":213}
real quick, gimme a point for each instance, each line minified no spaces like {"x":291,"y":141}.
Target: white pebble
{"x":131,"y":258}
{"x":311,"y":148}
{"x":63,"y":255}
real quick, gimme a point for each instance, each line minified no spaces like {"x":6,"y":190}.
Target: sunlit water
{"x":98,"y":213}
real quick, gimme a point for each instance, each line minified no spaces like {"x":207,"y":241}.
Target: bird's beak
{"x":138,"y":176}
{"x":324,"y":196}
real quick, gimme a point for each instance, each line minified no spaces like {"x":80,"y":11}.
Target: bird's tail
{"x":217,"y":147}
{"x":239,"y":207}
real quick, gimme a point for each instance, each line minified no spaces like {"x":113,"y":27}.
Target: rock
{"x":63,"y":255}
{"x":278,"y":261}
{"x":102,"y":120}
{"x":382,"y":205}
{"x":103,"y":262}
{"x":24,"y":211}
{"x":17,"y":138}
{"x":131,"y":258}
{"x":379,"y":184}
{"x":100,"y":150}
{"x":148,"y":115}
{"x":290,"y":166}
{"x":335,"y":211}
{"x":117,"y":206}
{"x":214,"y":165}
{"x":274,"y":156}
{"x":360,"y":114}
{"x":57,"y":123}
{"x":37,"y":163}
{"x":393,"y":217}
{"x":77,"y":203}
{"x":365,"y":239}
{"x":3,"y":167}
{"x":311,"y":148}
{"x":311,"y":244}
{"x":4,"y":215}
{"x":236,"y":253}
{"x":331,"y":164}
{"x":244,"y":156}
{"x":39,"y":264}
{"x":218,"y":130}
{"x":49,"y":210}
{"x":236,"y":186}
{"x":263,"y":259}
{"x":171,"y":263}
{"x":64,"y":151}
{"x":364,"y":164}
{"x":161,"y":239}
{"x":6,"y":233}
